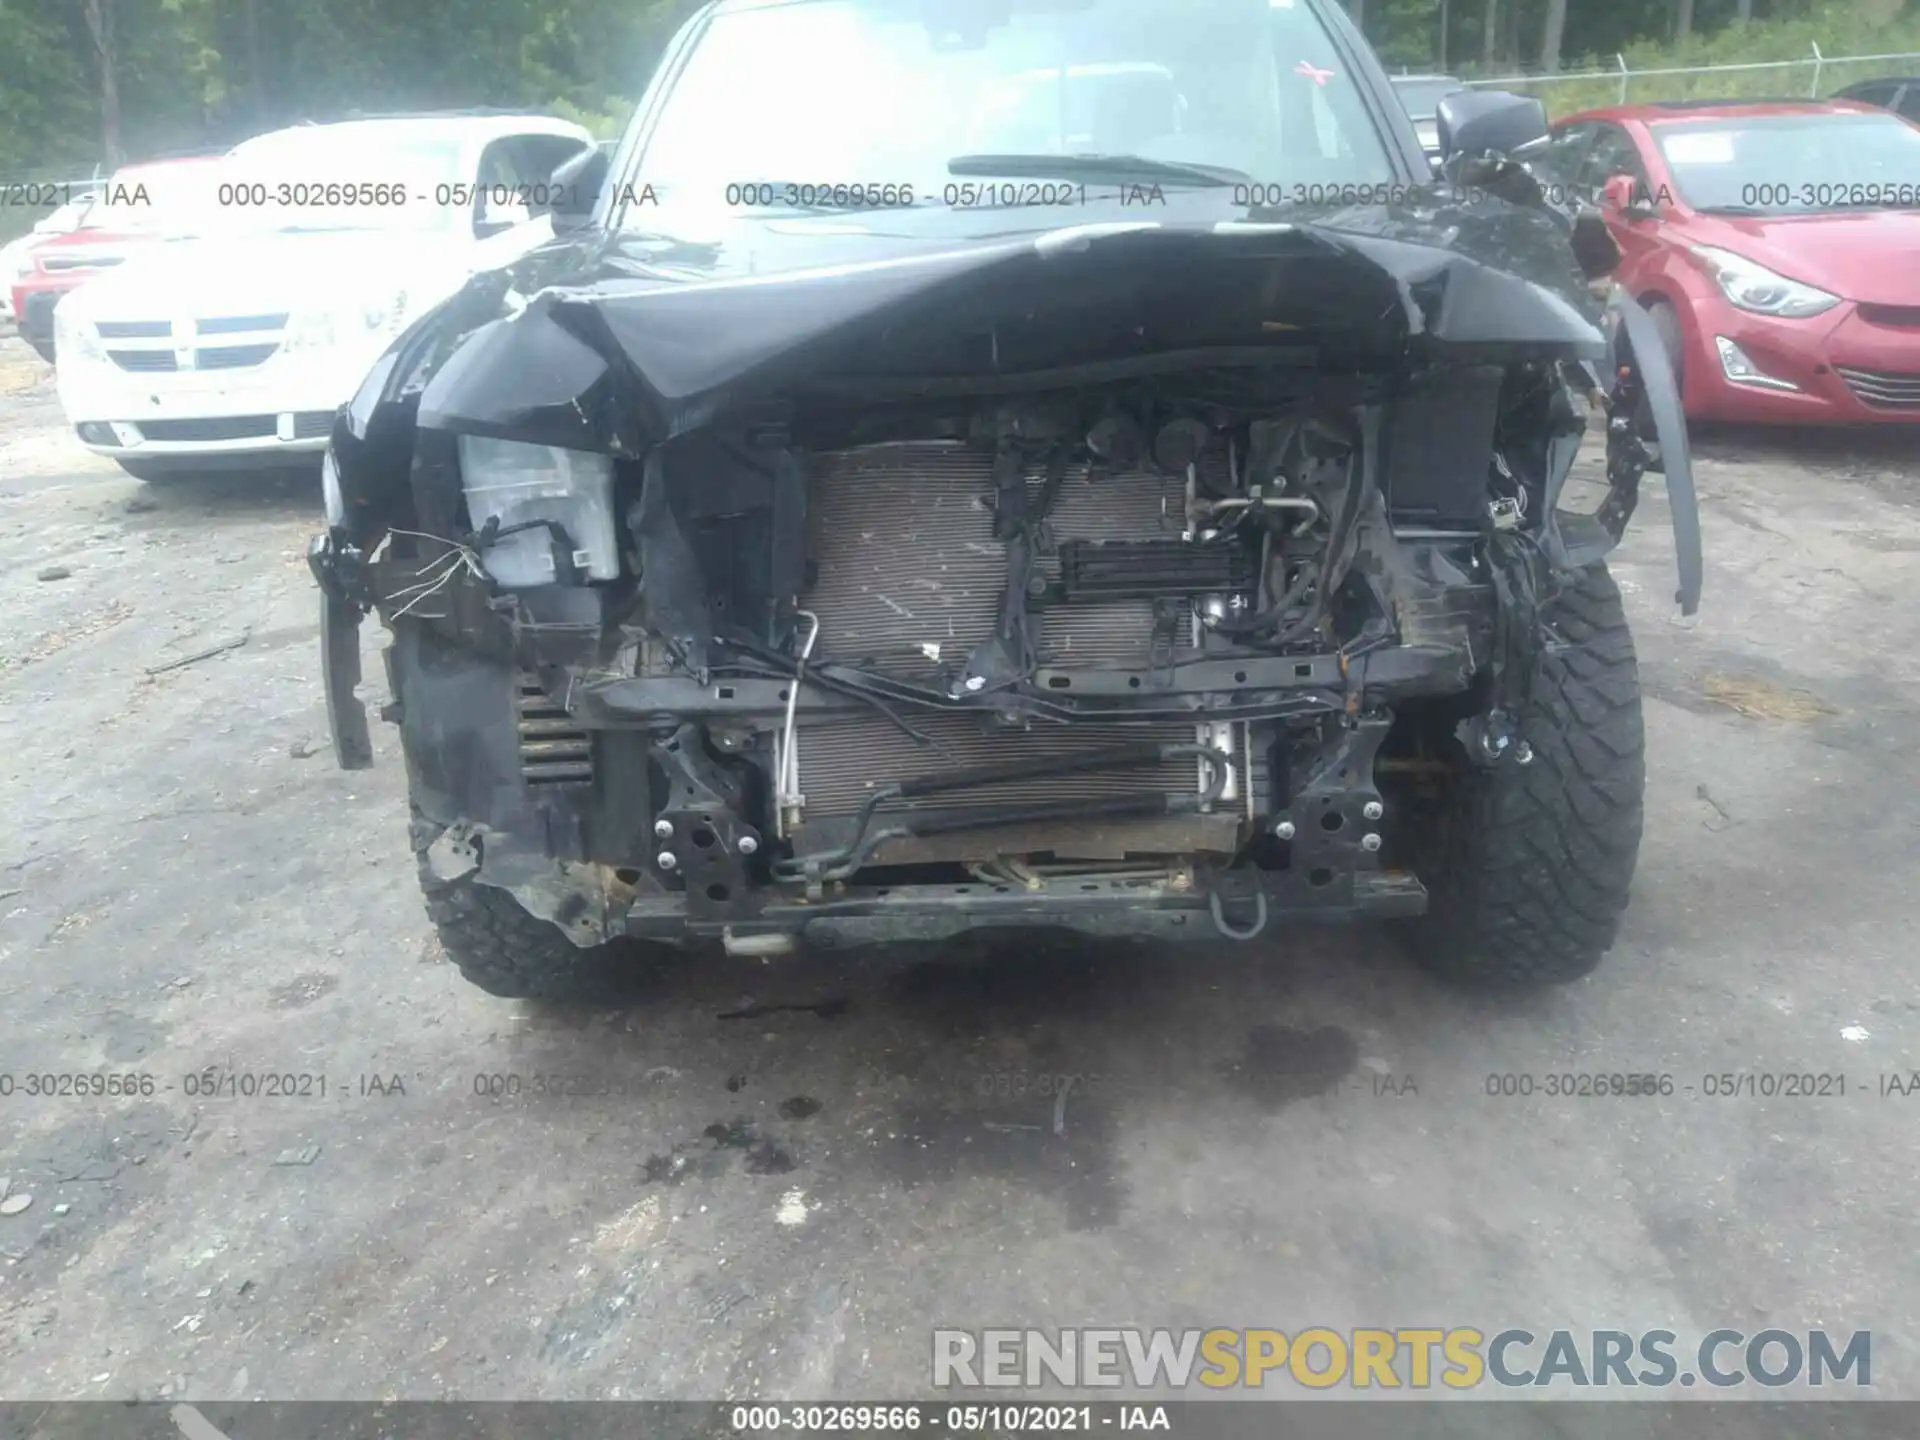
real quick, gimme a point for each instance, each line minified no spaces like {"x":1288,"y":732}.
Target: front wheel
{"x":1528,"y":866}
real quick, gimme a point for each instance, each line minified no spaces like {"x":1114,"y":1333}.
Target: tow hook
{"x":1215,"y":909}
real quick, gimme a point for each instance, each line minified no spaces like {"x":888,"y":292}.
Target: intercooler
{"x":908,"y":581}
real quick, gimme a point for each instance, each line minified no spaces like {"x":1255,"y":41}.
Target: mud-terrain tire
{"x":1527,"y":867}
{"x":507,"y":952}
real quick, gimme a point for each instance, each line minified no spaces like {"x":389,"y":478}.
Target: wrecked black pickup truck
{"x":984,"y":463}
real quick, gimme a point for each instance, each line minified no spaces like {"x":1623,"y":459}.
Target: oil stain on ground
{"x":709,"y":1157}
{"x":1281,"y":1064}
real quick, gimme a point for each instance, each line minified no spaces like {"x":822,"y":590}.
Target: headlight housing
{"x":378,"y":317}
{"x":1752,"y":287}
{"x":74,"y":337}
{"x":540,"y":487}
{"x":311,"y":330}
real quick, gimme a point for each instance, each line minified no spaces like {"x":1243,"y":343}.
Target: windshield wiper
{"x":1118,"y":168}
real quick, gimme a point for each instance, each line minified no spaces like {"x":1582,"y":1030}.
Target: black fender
{"x":1641,"y":375}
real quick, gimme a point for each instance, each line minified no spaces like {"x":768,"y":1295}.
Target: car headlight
{"x":311,"y":330}
{"x":74,"y":337}
{"x":551,"y":508}
{"x":379,"y":317}
{"x":1750,"y":286}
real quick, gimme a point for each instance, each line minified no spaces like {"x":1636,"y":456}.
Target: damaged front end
{"x":1076,"y":579}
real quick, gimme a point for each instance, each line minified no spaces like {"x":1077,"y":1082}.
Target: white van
{"x":237,"y":347}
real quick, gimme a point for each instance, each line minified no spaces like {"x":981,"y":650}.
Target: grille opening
{"x":1881,"y":389}
{"x":240,"y":324}
{"x":1891,"y":314}
{"x":224,"y":427}
{"x":144,"y":360}
{"x":233,"y":357}
{"x":135,"y":329}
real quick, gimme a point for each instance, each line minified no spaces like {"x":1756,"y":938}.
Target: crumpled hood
{"x":898,"y":314}
{"x":267,"y":273}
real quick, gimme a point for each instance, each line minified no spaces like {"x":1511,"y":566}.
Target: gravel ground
{"x":775,"y":1179}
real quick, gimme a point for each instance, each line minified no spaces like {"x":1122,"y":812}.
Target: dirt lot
{"x":777,"y":1179}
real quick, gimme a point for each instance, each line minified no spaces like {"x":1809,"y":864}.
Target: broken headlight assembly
{"x":541,"y":515}
{"x":1753,"y":287}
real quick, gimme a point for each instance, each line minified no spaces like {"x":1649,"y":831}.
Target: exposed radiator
{"x":909,"y":574}
{"x":908,"y":579}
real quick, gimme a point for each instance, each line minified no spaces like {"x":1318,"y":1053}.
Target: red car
{"x":140,"y":205}
{"x":1777,"y":246}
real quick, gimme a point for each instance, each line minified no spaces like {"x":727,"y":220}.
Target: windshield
{"x":362,"y":177}
{"x":1422,"y":97}
{"x":175,"y":199}
{"x":1794,"y":164}
{"x":878,"y":93}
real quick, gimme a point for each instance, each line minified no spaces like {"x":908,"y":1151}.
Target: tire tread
{"x":505,"y":951}
{"x":1544,"y":854}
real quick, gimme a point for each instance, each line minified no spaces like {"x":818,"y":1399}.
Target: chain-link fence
{"x":1808,"y":77}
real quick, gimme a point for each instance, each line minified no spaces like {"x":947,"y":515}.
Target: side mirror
{"x":576,"y":188}
{"x":1621,"y":194}
{"x":1473,"y":121}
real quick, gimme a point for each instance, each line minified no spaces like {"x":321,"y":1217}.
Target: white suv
{"x":236,"y":348}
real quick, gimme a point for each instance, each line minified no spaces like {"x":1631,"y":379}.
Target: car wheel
{"x":1527,"y":866}
{"x":500,"y":947}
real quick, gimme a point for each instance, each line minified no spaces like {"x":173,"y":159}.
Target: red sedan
{"x":1777,"y":246}
{"x":140,"y":205}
